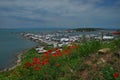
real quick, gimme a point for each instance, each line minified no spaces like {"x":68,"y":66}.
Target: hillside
{"x":75,"y":62}
{"x":87,"y":29}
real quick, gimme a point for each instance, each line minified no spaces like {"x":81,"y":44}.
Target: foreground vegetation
{"x":75,"y":62}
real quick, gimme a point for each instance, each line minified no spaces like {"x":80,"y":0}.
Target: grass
{"x":76,"y":62}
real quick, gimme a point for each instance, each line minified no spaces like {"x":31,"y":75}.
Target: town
{"x":60,"y":38}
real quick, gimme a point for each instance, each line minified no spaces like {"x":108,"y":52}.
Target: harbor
{"x":58,"y":39}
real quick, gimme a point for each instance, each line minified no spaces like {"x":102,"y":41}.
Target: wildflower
{"x":49,"y":51}
{"x":54,"y":55}
{"x":47,"y":54}
{"x":116,"y":75}
{"x":68,"y":51}
{"x":37,"y":68}
{"x":55,"y":49}
{"x":76,"y":46}
{"x":57,"y":65}
{"x":27,"y":64}
{"x":36,"y":61}
{"x":70,"y":47}
{"x":64,"y":51}
{"x":46,"y":61}
{"x":42,"y":57}
{"x":59,"y":53}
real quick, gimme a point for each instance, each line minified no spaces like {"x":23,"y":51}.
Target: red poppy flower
{"x":46,"y":61}
{"x":36,"y":61}
{"x":57,"y":65}
{"x":68,"y":51}
{"x":28,"y":64}
{"x":42,"y":57}
{"x":47,"y":54}
{"x":70,"y":47}
{"x":49,"y":51}
{"x":76,"y":46}
{"x":116,"y":75}
{"x":64,"y":51}
{"x":55,"y":49}
{"x":59,"y":53}
{"x":54,"y":55}
{"x":37,"y":68}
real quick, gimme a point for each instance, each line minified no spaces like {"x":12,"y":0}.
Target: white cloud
{"x":60,"y":12}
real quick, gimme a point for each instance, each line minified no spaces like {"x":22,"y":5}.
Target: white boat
{"x":108,"y":37}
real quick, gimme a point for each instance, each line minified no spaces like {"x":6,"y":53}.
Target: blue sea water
{"x":12,"y":44}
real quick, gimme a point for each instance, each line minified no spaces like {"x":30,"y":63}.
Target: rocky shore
{"x":17,"y":63}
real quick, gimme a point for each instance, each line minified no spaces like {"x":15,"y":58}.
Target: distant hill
{"x":87,"y":29}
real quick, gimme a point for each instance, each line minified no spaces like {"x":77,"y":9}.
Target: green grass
{"x":70,"y":66}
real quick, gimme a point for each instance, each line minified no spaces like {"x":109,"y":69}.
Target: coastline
{"x":18,"y":61}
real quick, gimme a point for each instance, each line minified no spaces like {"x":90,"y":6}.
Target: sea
{"x":12,"y":44}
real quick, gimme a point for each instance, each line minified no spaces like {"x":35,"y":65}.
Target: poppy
{"x":37,"y":68}
{"x":49,"y":51}
{"x":116,"y":75}
{"x":57,"y":65}
{"x":54,"y":55}
{"x":59,"y":53}
{"x":47,"y":54}
{"x":55,"y":49}
{"x":28,"y":64}
{"x":36,"y":61}
{"x":46,"y":61}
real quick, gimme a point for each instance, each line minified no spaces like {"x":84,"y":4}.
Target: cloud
{"x":59,"y":13}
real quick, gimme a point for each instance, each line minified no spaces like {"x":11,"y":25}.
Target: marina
{"x":58,"y":39}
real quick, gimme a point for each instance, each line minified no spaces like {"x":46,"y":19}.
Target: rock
{"x":18,"y":61}
{"x":101,"y":61}
{"x":104,"y":51}
{"x":3,"y":70}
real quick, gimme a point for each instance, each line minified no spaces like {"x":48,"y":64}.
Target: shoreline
{"x":18,"y":61}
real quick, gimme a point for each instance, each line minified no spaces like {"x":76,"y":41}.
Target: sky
{"x":59,"y":13}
